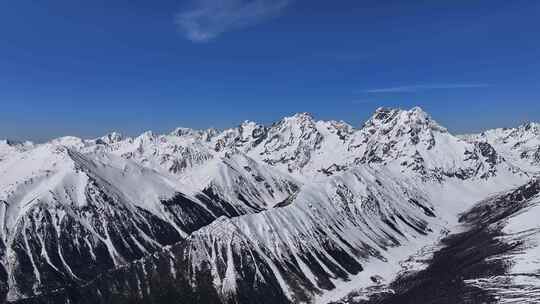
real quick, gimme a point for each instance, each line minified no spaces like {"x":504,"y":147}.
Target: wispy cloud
{"x":207,"y":19}
{"x":425,"y":87}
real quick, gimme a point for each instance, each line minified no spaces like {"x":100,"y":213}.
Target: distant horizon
{"x":165,"y":132}
{"x":84,"y":68}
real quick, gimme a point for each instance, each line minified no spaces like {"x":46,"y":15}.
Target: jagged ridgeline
{"x":298,"y":211}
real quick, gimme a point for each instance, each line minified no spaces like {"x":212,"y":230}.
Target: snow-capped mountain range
{"x":301,"y":211}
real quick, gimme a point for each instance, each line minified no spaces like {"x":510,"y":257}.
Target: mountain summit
{"x":297,"y":211}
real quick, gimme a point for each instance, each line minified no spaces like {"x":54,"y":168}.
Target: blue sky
{"x":88,"y":67}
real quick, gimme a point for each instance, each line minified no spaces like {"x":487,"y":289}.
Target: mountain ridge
{"x":305,"y":207}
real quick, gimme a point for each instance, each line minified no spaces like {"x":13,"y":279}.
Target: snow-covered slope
{"x":504,"y":262}
{"x":9,"y":148}
{"x":348,"y":229}
{"x":298,"y":211}
{"x":408,"y":140}
{"x":413,"y":142}
{"x":520,"y":146}
{"x":349,"y":232}
{"x":491,"y":257}
{"x":67,"y":216}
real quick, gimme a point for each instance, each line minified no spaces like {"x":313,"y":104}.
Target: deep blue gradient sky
{"x":88,"y":67}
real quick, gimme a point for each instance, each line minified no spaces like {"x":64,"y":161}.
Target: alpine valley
{"x":301,"y":211}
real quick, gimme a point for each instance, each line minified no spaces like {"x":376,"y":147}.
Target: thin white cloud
{"x":207,"y":19}
{"x":424,"y":87}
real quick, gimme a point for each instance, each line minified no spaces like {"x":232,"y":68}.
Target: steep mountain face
{"x":412,"y":141}
{"x":176,"y":152}
{"x":9,"y":148}
{"x":520,"y":146}
{"x":329,"y":233}
{"x":409,"y":140}
{"x":66,"y":217}
{"x":299,"y":211}
{"x":247,"y":184}
{"x":297,"y":144}
{"x":491,"y":258}
{"x":290,"y":143}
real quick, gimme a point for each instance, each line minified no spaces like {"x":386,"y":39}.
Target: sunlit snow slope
{"x":298,"y":211}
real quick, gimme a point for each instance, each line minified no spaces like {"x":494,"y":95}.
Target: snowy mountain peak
{"x":8,"y":142}
{"x":110,"y":138}
{"x":247,"y":123}
{"x":382,"y":114}
{"x":147,"y":136}
{"x":181,"y":131}
{"x":520,"y":146}
{"x":204,"y":135}
{"x":302,"y":118}
{"x":411,"y":140}
{"x":298,"y":196}
{"x":413,"y":118}
{"x":303,"y":115}
{"x":15,"y":143}
{"x":527,"y":129}
{"x":531,"y":126}
{"x":69,"y":141}
{"x":248,"y":127}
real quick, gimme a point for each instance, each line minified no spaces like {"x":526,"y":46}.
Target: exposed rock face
{"x":283,"y":255}
{"x":272,"y":214}
{"x":518,"y":146}
{"x":413,"y":141}
{"x":491,"y":259}
{"x":67,"y":217}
